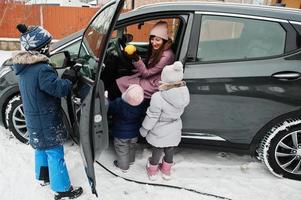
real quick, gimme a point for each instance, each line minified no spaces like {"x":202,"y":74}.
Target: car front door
{"x":89,"y":119}
{"x":239,"y":76}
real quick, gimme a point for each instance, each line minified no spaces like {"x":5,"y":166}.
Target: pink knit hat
{"x":160,"y":30}
{"x":134,"y":95}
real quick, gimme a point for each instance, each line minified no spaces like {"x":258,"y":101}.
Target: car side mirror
{"x":60,"y":60}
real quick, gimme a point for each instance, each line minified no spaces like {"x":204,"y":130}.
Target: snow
{"x":75,"y":3}
{"x":218,"y":173}
{"x":237,"y":177}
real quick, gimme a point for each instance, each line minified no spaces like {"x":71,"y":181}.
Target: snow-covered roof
{"x":73,"y":3}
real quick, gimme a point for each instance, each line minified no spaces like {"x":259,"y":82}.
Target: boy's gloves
{"x":143,"y":132}
{"x":70,"y":74}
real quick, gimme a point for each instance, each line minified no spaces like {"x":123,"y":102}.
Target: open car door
{"x":89,"y":111}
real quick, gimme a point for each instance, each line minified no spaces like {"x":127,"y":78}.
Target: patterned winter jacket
{"x":41,"y":90}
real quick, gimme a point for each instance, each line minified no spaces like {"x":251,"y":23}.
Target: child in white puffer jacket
{"x":162,"y":125}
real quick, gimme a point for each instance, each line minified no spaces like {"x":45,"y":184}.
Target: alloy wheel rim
{"x":288,"y":153}
{"x":19,"y":123}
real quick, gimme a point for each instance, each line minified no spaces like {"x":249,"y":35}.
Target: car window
{"x":93,"y":41}
{"x":297,"y":26}
{"x":73,"y":48}
{"x":140,"y":32}
{"x":57,"y":60}
{"x":230,"y":38}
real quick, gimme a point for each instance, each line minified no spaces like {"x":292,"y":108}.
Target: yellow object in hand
{"x":130,"y":49}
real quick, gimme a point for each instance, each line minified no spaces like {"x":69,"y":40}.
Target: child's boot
{"x":152,"y":171}
{"x":165,"y":169}
{"x":72,"y":193}
{"x":115,"y":163}
{"x":44,"y":182}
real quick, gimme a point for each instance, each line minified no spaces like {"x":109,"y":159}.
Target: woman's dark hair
{"x":153,"y":57}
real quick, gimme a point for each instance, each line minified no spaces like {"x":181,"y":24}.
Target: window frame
{"x":183,"y":18}
{"x":289,"y":47}
{"x":67,"y":44}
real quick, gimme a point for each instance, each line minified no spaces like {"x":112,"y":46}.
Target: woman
{"x":148,"y":75}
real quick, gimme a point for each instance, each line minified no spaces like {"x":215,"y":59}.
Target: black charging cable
{"x":158,"y":184}
{"x":164,"y":185}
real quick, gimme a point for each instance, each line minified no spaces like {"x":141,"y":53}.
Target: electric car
{"x":242,"y":65}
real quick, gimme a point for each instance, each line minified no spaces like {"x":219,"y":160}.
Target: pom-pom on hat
{"x":33,"y":38}
{"x":160,"y":30}
{"x":172,"y":73}
{"x":134,"y":95}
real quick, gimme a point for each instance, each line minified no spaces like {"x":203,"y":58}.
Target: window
{"x":73,"y":48}
{"x":298,"y":28}
{"x":141,"y":30}
{"x":229,"y":38}
{"x":93,"y":42}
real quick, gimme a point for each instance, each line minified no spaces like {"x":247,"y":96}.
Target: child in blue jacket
{"x":127,"y":113}
{"x":41,"y":91}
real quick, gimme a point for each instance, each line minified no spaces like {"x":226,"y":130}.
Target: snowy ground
{"x":217,"y":173}
{"x":223,"y":174}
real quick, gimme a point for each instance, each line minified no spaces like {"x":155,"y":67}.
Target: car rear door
{"x":89,"y":111}
{"x":239,"y":76}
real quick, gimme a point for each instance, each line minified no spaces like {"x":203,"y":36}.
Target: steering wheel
{"x":115,"y":48}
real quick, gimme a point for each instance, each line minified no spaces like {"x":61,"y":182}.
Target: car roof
{"x":243,"y":9}
{"x":192,"y":6}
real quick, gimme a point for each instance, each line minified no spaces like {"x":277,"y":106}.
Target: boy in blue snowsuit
{"x":41,"y":90}
{"x":127,"y":112}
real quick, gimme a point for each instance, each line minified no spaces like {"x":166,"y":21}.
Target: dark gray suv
{"x":242,"y":67}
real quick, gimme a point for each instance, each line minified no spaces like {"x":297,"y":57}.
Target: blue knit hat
{"x":34,"y":38}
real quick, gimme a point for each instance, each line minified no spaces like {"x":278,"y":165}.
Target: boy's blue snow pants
{"x":53,"y":159}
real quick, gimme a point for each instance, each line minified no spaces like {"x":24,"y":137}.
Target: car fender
{"x":262,"y":132}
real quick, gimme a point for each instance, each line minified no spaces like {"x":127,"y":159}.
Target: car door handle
{"x":287,"y":75}
{"x":76,"y":100}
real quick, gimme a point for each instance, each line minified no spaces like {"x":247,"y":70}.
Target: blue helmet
{"x":34,"y":38}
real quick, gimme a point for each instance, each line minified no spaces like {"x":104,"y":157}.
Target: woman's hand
{"x":130,"y":51}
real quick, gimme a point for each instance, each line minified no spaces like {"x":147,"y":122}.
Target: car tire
{"x":15,"y":119}
{"x":280,"y":149}
{"x":16,"y":123}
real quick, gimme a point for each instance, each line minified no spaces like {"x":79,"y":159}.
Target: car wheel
{"x":280,"y":150}
{"x":15,"y":119}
